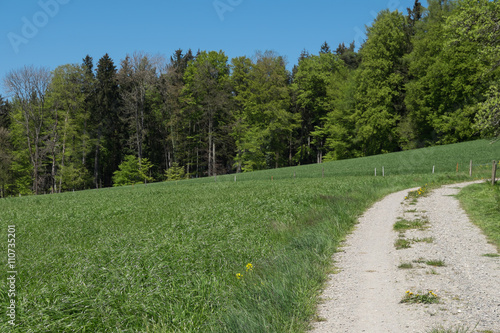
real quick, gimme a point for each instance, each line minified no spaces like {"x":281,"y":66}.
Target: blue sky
{"x":56,"y":32}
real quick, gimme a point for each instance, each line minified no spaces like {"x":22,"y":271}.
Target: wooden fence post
{"x":470,"y":169}
{"x":383,"y":171}
{"x":433,"y":167}
{"x":494,"y":173}
{"x":457,"y":167}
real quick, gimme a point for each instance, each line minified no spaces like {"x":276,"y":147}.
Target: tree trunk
{"x":84,"y":147}
{"x":214,"y":168}
{"x":63,"y":149}
{"x":210,"y":170}
{"x":96,"y":160}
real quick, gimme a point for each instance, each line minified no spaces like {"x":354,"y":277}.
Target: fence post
{"x":235,"y":178}
{"x":433,"y":167}
{"x":215,"y":176}
{"x":457,"y":167}
{"x":470,"y":169}
{"x":383,"y":171}
{"x":494,"y":173}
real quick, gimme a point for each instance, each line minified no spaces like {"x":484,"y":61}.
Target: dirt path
{"x":365,"y":295}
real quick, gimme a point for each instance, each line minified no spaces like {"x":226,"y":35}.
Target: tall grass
{"x":164,"y":257}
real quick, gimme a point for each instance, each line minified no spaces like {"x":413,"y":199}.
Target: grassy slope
{"x":164,"y":257}
{"x":482,"y":203}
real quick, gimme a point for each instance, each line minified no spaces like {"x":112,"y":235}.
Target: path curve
{"x":365,"y":295}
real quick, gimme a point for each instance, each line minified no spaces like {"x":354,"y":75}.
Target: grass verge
{"x":482,"y":204}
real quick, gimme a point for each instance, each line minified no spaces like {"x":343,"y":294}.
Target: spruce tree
{"x":108,"y":126}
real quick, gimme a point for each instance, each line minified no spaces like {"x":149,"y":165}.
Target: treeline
{"x":426,"y":77}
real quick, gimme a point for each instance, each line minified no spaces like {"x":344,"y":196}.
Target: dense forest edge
{"x":424,"y":78}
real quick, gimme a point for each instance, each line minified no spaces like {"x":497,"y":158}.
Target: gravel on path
{"x":365,"y":295}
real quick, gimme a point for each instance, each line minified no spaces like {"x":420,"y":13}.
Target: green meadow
{"x":173,"y":257}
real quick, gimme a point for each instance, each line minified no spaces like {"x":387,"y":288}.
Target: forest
{"x":422,"y":78}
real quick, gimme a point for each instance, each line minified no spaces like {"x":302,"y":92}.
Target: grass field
{"x":166,"y":257}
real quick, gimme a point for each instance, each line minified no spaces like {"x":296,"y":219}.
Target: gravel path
{"x":365,"y":295}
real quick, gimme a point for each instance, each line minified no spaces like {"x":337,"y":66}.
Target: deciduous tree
{"x":28,"y":86}
{"x":207,"y":95}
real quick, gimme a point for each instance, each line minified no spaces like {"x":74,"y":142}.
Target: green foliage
{"x":65,"y":100}
{"x":380,"y":84}
{"x":175,"y":172}
{"x":454,"y":61}
{"x":487,"y":119}
{"x":106,"y":124}
{"x":265,"y":125}
{"x":132,"y":171}
{"x":5,"y":160}
{"x":145,"y":166}
{"x":207,"y":96}
{"x":317,"y":83}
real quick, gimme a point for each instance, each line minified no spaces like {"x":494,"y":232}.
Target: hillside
{"x":166,"y":256}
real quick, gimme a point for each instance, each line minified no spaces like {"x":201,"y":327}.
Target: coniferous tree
{"x":348,"y":54}
{"x":88,"y":90}
{"x":137,"y":76}
{"x":5,"y":147}
{"x":325,"y":48}
{"x":4,"y":112}
{"x":108,"y":129}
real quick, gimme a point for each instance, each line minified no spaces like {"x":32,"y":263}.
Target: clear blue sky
{"x":56,"y":32}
